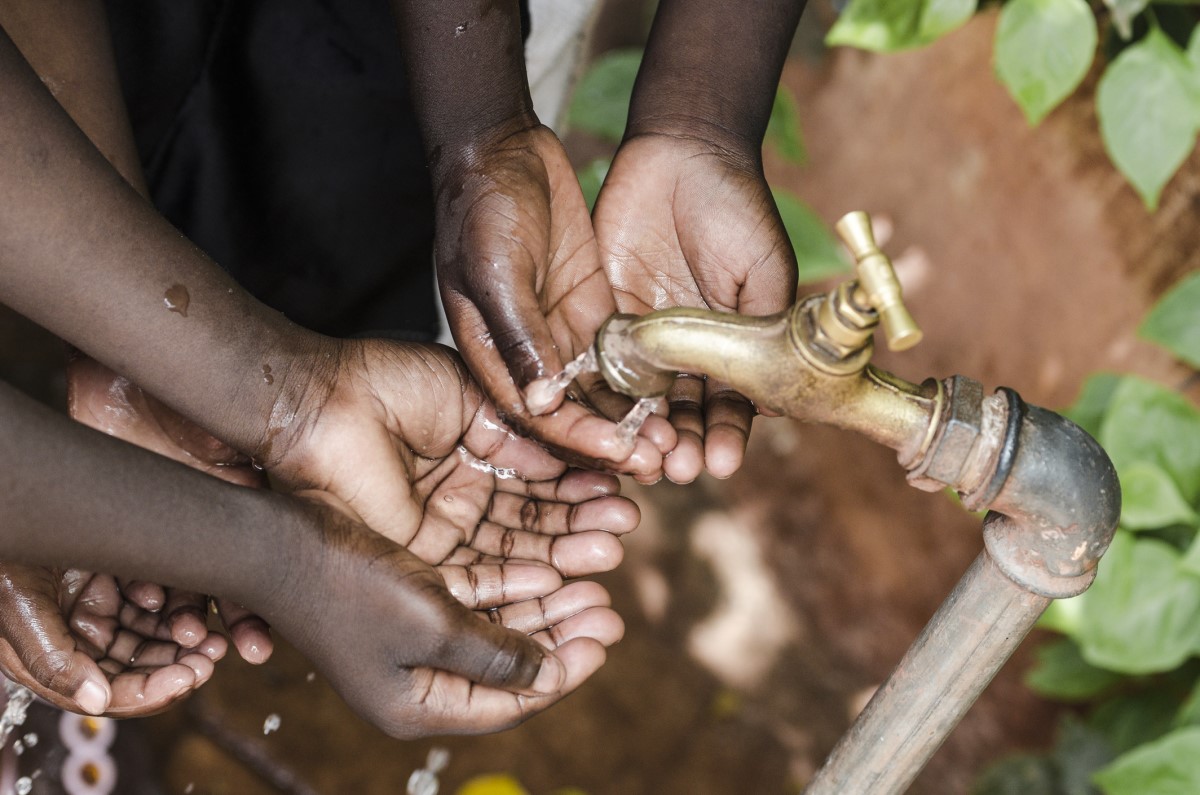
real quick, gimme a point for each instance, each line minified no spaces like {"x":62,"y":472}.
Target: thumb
{"x":40,"y":652}
{"x":495,"y":656}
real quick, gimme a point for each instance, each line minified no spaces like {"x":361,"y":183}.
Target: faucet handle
{"x":878,"y":282}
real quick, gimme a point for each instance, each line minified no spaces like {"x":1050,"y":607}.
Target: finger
{"x":186,"y":616}
{"x":489,"y":439}
{"x":485,"y":586}
{"x":569,"y":427}
{"x":146,"y":595}
{"x":140,"y":693}
{"x":612,"y":514}
{"x":41,"y":648}
{"x":685,"y":463}
{"x":454,"y":705}
{"x":536,"y":615}
{"x":727,"y":416}
{"x":251,"y":635}
{"x":614,"y":406}
{"x":577,"y":485}
{"x":598,"y":623}
{"x":575,"y":555}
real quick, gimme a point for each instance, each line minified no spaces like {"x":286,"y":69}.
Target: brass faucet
{"x":1052,"y":492}
{"x":810,"y":362}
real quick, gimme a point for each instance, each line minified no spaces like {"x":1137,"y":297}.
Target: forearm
{"x":466,"y":68}
{"x":75,"y":497}
{"x":711,"y":68}
{"x":82,"y":254}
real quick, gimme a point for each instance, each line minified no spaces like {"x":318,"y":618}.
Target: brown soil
{"x":1034,"y":264}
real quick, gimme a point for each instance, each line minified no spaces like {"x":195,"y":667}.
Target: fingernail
{"x":539,"y":396}
{"x":92,"y":697}
{"x":550,"y":677}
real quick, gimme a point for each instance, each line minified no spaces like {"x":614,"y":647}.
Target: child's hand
{"x":78,"y":642}
{"x":400,"y":437}
{"x":387,"y":632}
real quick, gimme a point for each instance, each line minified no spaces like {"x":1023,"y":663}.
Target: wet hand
{"x":395,"y":639}
{"x":525,"y":293}
{"x":399,"y":436}
{"x":75,"y":640}
{"x":684,"y":222}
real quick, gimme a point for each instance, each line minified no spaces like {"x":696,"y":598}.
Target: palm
{"x":63,"y":627}
{"x":446,"y":479}
{"x":525,"y":292}
{"x":683,"y":223}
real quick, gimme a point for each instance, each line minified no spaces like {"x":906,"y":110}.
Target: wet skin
{"x":66,"y":212}
{"x":685,"y":217}
{"x":395,"y":642}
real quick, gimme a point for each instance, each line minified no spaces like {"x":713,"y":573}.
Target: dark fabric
{"x":278,"y":135}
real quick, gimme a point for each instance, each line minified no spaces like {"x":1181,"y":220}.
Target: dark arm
{"x":711,"y":68}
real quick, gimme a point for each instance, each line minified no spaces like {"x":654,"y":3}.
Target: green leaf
{"x":1168,"y":766}
{"x":1142,"y":615}
{"x":1189,"y":713}
{"x":939,"y":17}
{"x":1135,"y":718}
{"x":1191,"y":560}
{"x":1193,"y":49}
{"x":1148,"y":423}
{"x":1148,"y":113}
{"x":783,"y":128}
{"x":1043,"y":51}
{"x":591,"y":179}
{"x":1150,"y":499}
{"x":890,"y":25}
{"x":1061,"y":673}
{"x":1092,"y":402}
{"x":1123,"y":12}
{"x":1174,"y":323}
{"x":1064,"y":615}
{"x":818,"y":255}
{"x":600,"y":104}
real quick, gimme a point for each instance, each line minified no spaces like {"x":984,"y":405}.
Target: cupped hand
{"x":75,"y":640}
{"x":682,"y":221}
{"x":388,"y":632}
{"x":399,"y":436}
{"x":525,"y":293}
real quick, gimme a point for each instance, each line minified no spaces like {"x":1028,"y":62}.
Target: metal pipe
{"x":962,"y":647}
{"x":1054,"y":495}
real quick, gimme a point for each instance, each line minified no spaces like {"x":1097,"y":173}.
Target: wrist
{"x":467,"y":149}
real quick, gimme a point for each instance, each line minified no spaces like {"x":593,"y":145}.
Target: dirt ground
{"x":762,"y":610}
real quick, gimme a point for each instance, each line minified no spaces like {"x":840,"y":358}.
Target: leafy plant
{"x":1130,"y":644}
{"x":1147,"y":100}
{"x":600,"y":106}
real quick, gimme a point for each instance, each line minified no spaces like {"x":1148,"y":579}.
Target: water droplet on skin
{"x":23,"y":786}
{"x":30,"y":739}
{"x":272,"y":723}
{"x":448,"y":498}
{"x":176,"y":299}
{"x":268,"y":378}
{"x":460,"y":29}
{"x":311,"y":677}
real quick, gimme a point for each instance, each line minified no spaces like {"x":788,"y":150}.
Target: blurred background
{"x":762,"y":611}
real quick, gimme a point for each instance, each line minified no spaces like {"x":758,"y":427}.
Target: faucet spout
{"x":775,"y":362}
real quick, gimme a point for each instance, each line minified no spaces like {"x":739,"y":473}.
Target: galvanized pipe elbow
{"x":1057,"y":507}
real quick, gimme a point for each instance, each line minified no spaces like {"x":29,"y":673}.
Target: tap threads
{"x":878,"y":282}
